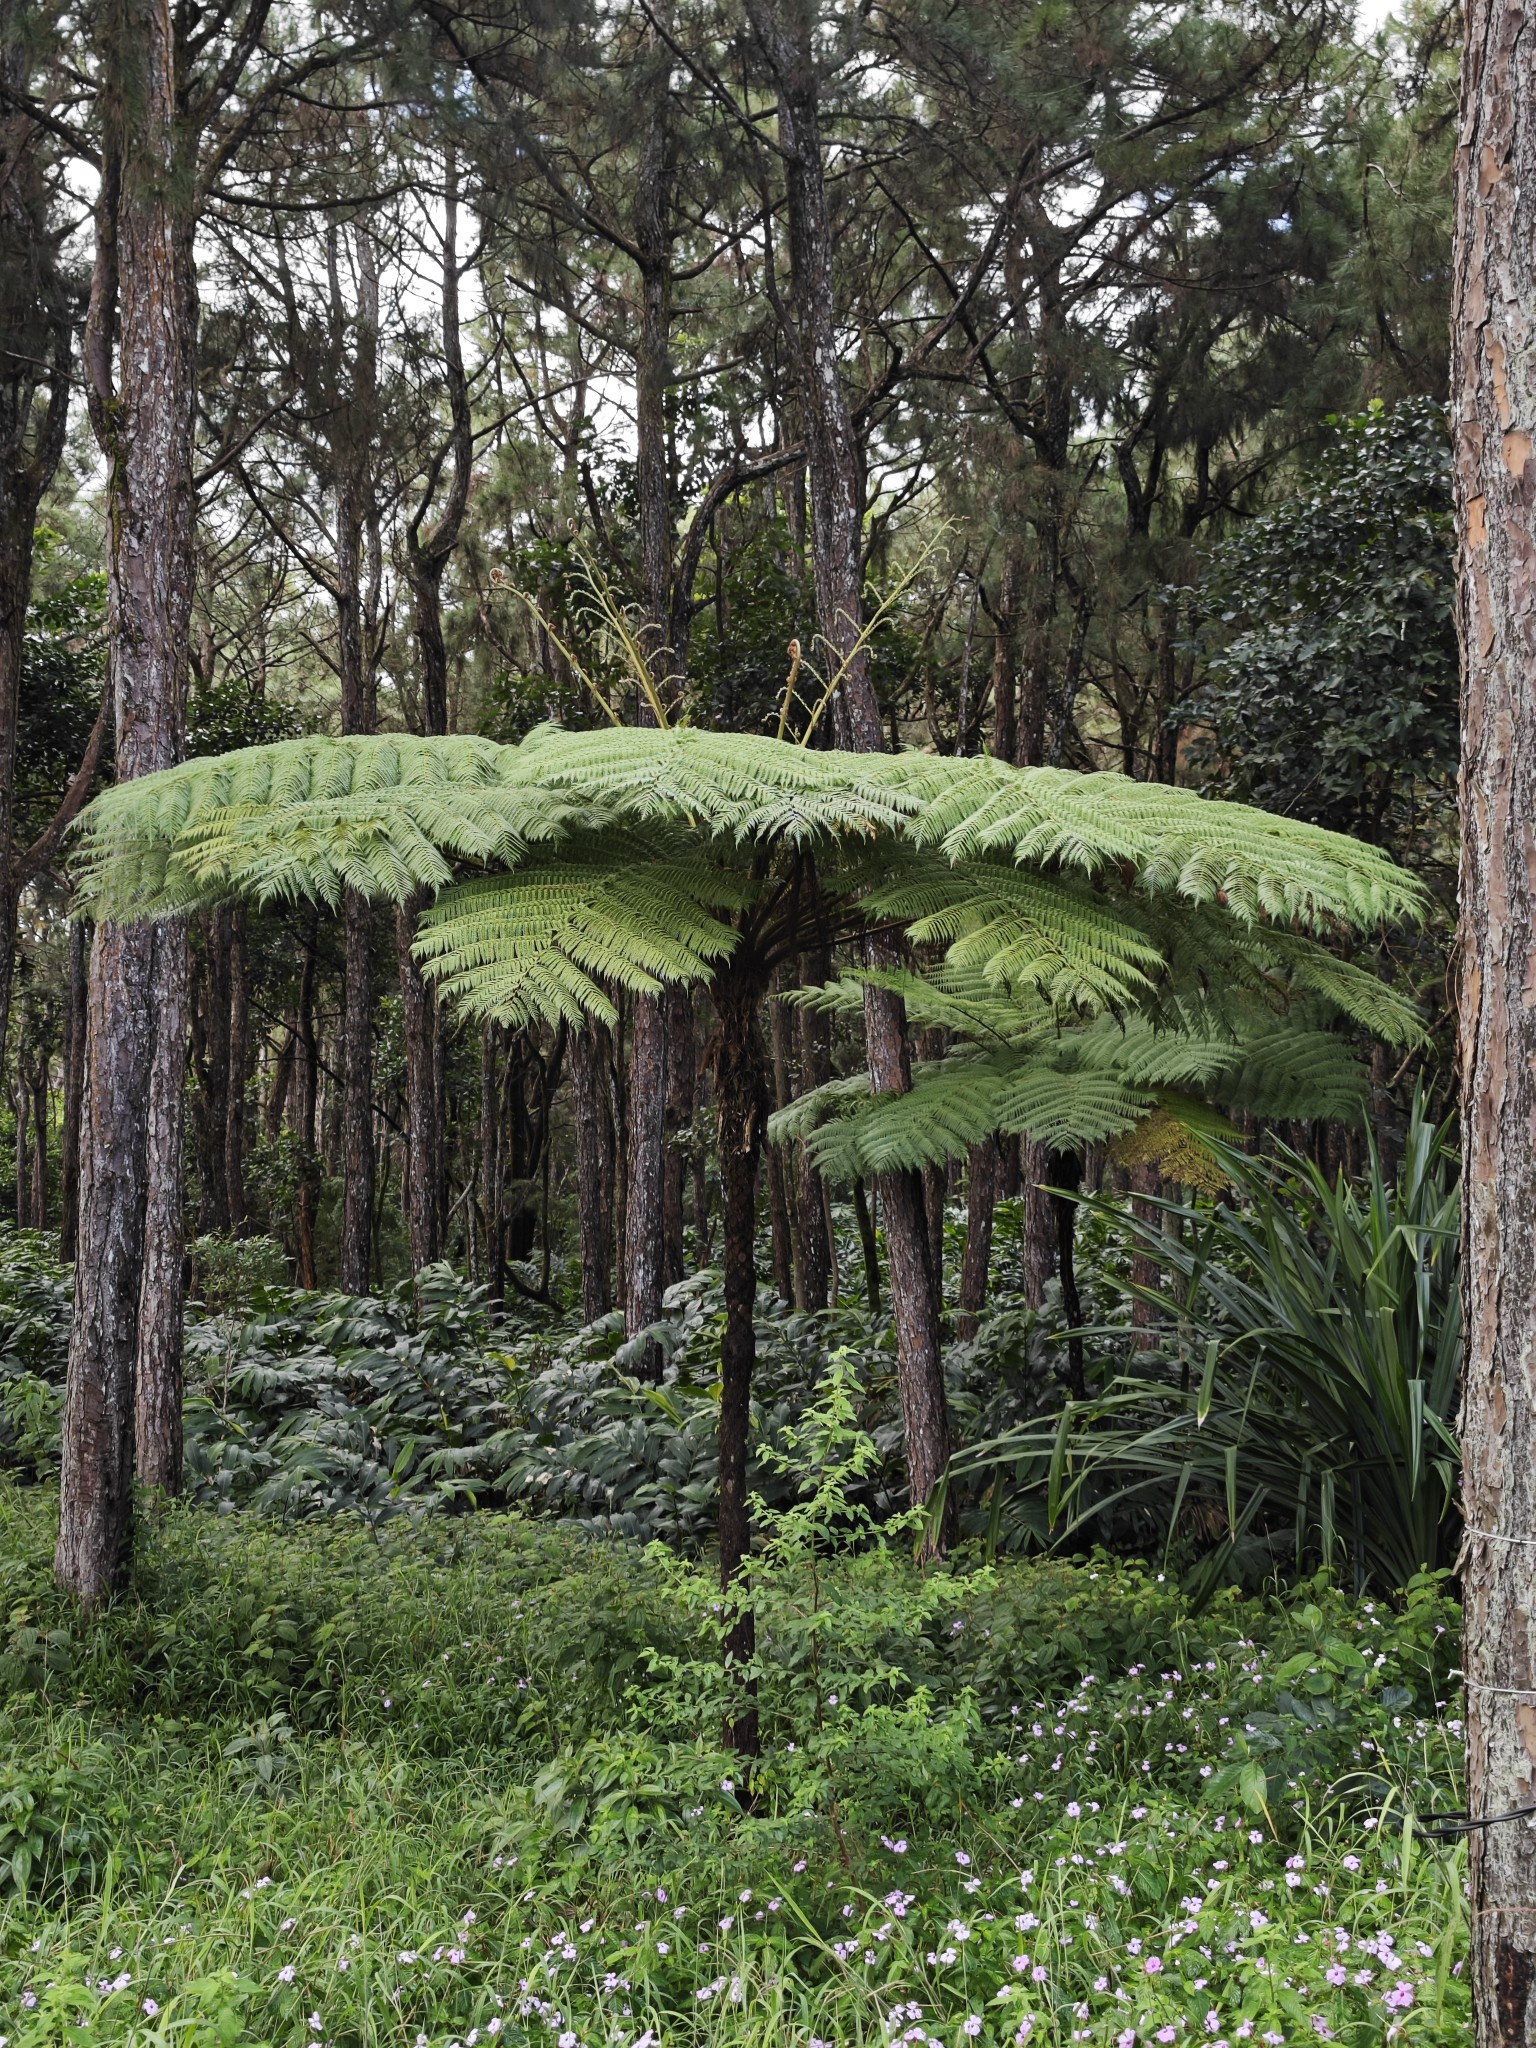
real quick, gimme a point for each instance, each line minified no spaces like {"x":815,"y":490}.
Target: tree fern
{"x":553,"y":938}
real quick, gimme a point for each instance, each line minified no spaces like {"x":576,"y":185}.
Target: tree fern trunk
{"x":1494,"y":414}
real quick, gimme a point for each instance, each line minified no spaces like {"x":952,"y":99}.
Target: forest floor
{"x":464,"y":1781}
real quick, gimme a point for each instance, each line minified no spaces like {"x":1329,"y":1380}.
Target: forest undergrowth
{"x":462,"y":1779}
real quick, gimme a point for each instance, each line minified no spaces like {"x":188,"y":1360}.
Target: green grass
{"x":463,"y":1783}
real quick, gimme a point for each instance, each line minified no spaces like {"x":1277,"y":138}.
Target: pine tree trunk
{"x":144,"y":270}
{"x":356,"y":1097}
{"x":74,"y":1088}
{"x":1494,"y":416}
{"x":158,"y":1376}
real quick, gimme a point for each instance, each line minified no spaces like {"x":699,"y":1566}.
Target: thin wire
{"x":1493,"y":1536}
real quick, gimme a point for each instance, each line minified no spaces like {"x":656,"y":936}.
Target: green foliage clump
{"x":479,"y":1762}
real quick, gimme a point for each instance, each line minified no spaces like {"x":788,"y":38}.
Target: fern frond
{"x":309,"y":817}
{"x":1028,"y":933}
{"x":551,"y":939}
{"x":1253,"y":863}
{"x":742,"y":786}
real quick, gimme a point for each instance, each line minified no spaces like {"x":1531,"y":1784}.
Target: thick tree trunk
{"x":144,"y":287}
{"x":592,"y":1107}
{"x":423,"y":1168}
{"x":357,"y":1167}
{"x":980,"y":1206}
{"x":74,"y":1088}
{"x":158,"y":1387}
{"x":1494,"y":411}
{"x":742,"y":1095}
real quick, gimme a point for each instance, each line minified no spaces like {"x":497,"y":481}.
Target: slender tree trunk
{"x":647,"y":1154}
{"x":594,"y":1168}
{"x":309,"y":1091}
{"x":74,"y":1088}
{"x":38,"y":1201}
{"x":817,"y":1244}
{"x":21,"y":1110}
{"x":742,"y":1095}
{"x":869,"y":1245}
{"x":210,"y":1060}
{"x":144,"y":288}
{"x":646,"y":1158}
{"x":1494,"y":413}
{"x":356,"y":1097}
{"x":837,"y":506}
{"x":491,"y":1161}
{"x":1037,"y":1227}
{"x":682,"y":1090}
{"x":1005,"y":655}
{"x":980,"y":1207}
{"x":1146,"y":1185}
{"x":423,"y":1169}
{"x":238,"y":1061}
{"x":1065,"y":1170}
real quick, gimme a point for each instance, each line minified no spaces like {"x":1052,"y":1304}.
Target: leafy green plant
{"x":1301,"y":1391}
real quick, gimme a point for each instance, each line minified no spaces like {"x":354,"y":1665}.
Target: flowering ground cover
{"x":464,"y":1784}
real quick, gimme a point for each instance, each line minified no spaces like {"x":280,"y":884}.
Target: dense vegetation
{"x":728,"y":753}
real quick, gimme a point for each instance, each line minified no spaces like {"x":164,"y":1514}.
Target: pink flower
{"x":1153,"y":1965}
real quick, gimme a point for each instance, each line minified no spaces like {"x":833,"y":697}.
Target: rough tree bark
{"x":593,"y":1110}
{"x":143,"y":295}
{"x":74,"y":1086}
{"x":1493,"y":386}
{"x":35,"y":332}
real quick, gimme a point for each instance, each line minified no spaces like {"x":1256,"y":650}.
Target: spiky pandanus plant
{"x":635,"y":858}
